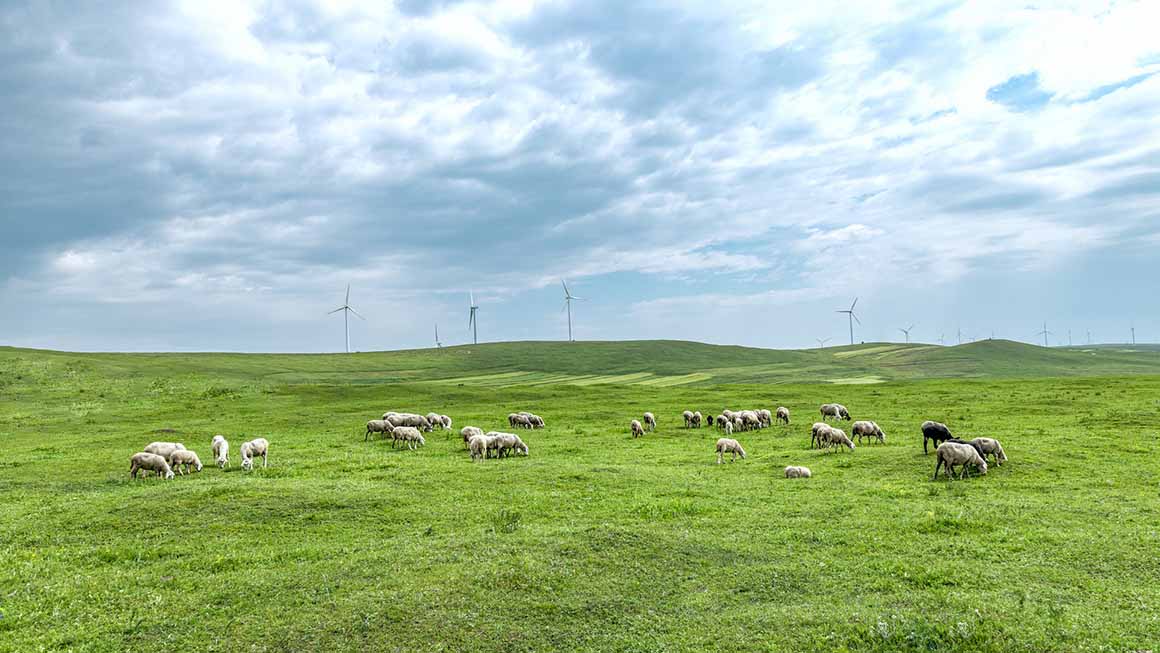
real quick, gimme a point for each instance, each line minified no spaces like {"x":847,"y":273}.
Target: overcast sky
{"x":195,"y":177}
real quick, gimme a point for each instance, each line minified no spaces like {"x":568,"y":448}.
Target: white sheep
{"x":478,"y":446}
{"x":512,"y":419}
{"x":163,"y":449}
{"x":783,"y":414}
{"x":650,"y":422}
{"x":838,"y":438}
{"x":766,"y":417}
{"x":722,"y":420}
{"x":184,"y":457}
{"x":221,"y":451}
{"x":408,"y":434}
{"x":408,"y":419}
{"x":507,"y":443}
{"x":728,"y":414}
{"x":869,"y":430}
{"x":728,"y":427}
{"x":434,"y":419}
{"x":149,"y":462}
{"x":729,"y":446}
{"x":818,"y":434}
{"x":378,"y":426}
{"x":830,"y":410}
{"x":797,"y":472}
{"x":697,"y":419}
{"x":688,"y":415}
{"x":523,"y":421}
{"x":255,"y":447}
{"x":636,"y":428}
{"x":990,"y":447}
{"x":537,"y":421}
{"x":750,"y":420}
{"x":446,"y":422}
{"x":469,"y":432}
{"x":955,"y":453}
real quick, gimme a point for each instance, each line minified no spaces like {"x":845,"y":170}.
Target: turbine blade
{"x":356,"y":313}
{"x":471,"y":295}
{"x":565,"y":284}
{"x":348,"y":294}
{"x":854,"y":304}
{"x":336,"y":310}
{"x":855,"y":317}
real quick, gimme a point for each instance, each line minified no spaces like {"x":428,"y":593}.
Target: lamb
{"x":728,"y":428}
{"x":378,"y":426}
{"x":818,"y":434}
{"x":163,"y":449}
{"x":797,"y":472}
{"x":783,"y":414}
{"x":697,"y":419}
{"x":221,"y":451}
{"x":955,"y":453}
{"x":184,"y":457}
{"x":149,"y":462}
{"x":636,"y":428}
{"x":729,"y":446}
{"x":990,"y":446}
{"x":469,"y":432}
{"x":869,"y":430}
{"x":838,"y":438}
{"x":255,"y":447}
{"x":408,"y":434}
{"x":688,"y":415}
{"x":936,"y":432}
{"x":650,"y":422}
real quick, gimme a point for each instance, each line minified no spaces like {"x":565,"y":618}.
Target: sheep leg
{"x":265,"y":462}
{"x":719,"y":458}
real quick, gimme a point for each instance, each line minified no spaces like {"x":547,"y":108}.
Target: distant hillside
{"x":659,"y":363}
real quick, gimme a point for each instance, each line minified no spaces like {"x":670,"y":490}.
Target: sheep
{"x":936,"y":432}
{"x":783,"y":414}
{"x":838,"y":438}
{"x":149,"y":462}
{"x":830,"y":410}
{"x":255,"y":447}
{"x":163,"y":449}
{"x":446,"y":422}
{"x":493,"y":441}
{"x":978,"y":448}
{"x":378,"y":426}
{"x":818,"y":434}
{"x":537,"y":422}
{"x":728,"y":414}
{"x":843,"y":413}
{"x":512,"y":419}
{"x":478,"y":446}
{"x":408,"y":419}
{"x":955,"y":453}
{"x":408,"y":434}
{"x":797,"y":472}
{"x":522,"y":421}
{"x":469,"y":432}
{"x":185,"y":457}
{"x":750,"y":420}
{"x":729,"y":446}
{"x":434,"y":419}
{"x":650,"y":421}
{"x":221,"y":451}
{"x":722,"y":420}
{"x":869,"y":430}
{"x":709,"y":420}
{"x":728,"y":428}
{"x":636,"y":428}
{"x":688,"y":415}
{"x":990,"y":446}
{"x":508,"y":442}
{"x":766,"y":417}
{"x":697,"y":419}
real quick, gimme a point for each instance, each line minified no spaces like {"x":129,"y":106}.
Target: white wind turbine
{"x":568,"y":297}
{"x":1044,"y":333}
{"x":346,"y":311}
{"x":853,"y":318}
{"x":822,"y":342}
{"x":907,"y":332}
{"x":472,"y":323}
{"x":438,"y":345}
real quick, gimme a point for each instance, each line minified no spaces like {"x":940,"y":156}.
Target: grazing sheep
{"x":738,"y":423}
{"x":728,"y":414}
{"x":688,"y":415}
{"x":149,"y":462}
{"x":163,"y":449}
{"x":469,"y":432}
{"x":722,"y":420}
{"x":537,"y":421}
{"x":709,"y":421}
{"x":184,"y":457}
{"x":843,"y":413}
{"x":729,"y":446}
{"x":838,"y":438}
{"x":956,"y":453}
{"x":936,"y":432}
{"x":478,"y":446}
{"x":378,"y":426}
{"x":818,"y":434}
{"x":434,"y":419}
{"x":255,"y":447}
{"x":522,"y":421}
{"x":512,"y":419}
{"x":766,"y":417}
{"x":728,"y":428}
{"x":650,"y":422}
{"x":636,"y":428}
{"x":869,"y":430}
{"x":408,"y":434}
{"x":797,"y":472}
{"x":446,"y":422}
{"x":978,"y":448}
{"x":697,"y":419}
{"x":783,"y":414}
{"x":507,"y":443}
{"x":221,"y":451}
{"x":990,"y":446}
{"x":750,"y":420}
{"x":409,"y":419}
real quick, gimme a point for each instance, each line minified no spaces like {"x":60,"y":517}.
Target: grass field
{"x":595,"y":541}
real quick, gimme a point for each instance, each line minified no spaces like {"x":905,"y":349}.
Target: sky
{"x":210,"y":176}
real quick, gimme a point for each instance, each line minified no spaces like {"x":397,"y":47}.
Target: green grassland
{"x":595,"y":541}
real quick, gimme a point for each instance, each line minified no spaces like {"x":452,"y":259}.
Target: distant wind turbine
{"x":1133,"y":334}
{"x":822,"y":342}
{"x":1089,"y":337}
{"x":568,"y":297}
{"x":1069,"y":337}
{"x":346,"y":311}
{"x":940,"y":339}
{"x":438,"y":345}
{"x":850,"y":314}
{"x":907,"y":332}
{"x":1044,"y":333}
{"x":959,"y":333}
{"x":472,"y":323}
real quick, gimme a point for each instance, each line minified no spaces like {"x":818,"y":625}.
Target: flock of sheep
{"x":162,"y":458}
{"x":406,"y":427}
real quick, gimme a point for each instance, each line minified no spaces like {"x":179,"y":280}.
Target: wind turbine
{"x":1069,"y":337}
{"x":473,"y":323}
{"x":822,"y":342}
{"x":438,"y":345}
{"x":346,"y":311}
{"x":959,"y":334}
{"x":1133,"y":334}
{"x":568,"y":297}
{"x":1044,"y":333}
{"x":1089,"y":339}
{"x":940,"y":339}
{"x":907,"y":332}
{"x":852,"y":317}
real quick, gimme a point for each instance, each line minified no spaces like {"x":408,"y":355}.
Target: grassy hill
{"x":658,"y":363}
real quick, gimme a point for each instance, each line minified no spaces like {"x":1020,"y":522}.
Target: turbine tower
{"x":822,"y":342}
{"x":1133,"y":334}
{"x":1089,"y":337}
{"x":850,"y":314}
{"x":568,"y":297}
{"x":940,"y":339}
{"x":907,"y":332}
{"x":346,"y":311}
{"x":438,"y":345}
{"x":472,"y":323}
{"x":1044,"y":333}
